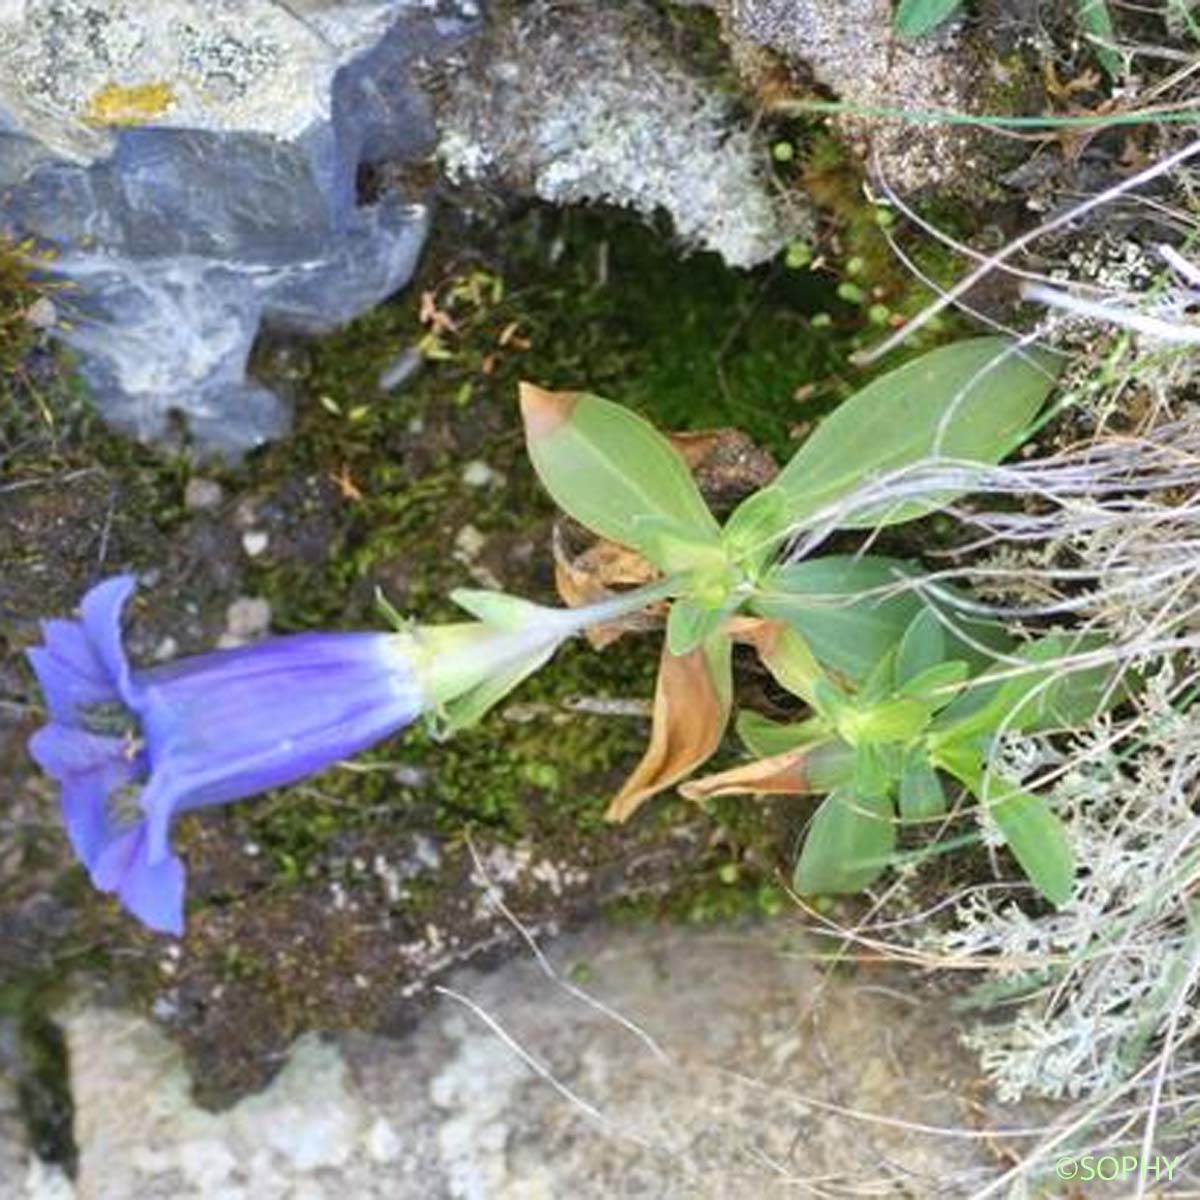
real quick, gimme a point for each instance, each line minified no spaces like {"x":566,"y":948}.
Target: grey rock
{"x":195,"y":167}
{"x":695,"y":1065}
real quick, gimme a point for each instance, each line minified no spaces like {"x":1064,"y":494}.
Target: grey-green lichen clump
{"x":583,"y":103}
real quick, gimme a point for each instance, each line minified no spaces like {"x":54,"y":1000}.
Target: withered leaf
{"x":780,"y":775}
{"x":692,"y":700}
{"x":595,"y":574}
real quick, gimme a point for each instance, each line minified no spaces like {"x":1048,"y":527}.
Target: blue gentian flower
{"x":132,"y":749}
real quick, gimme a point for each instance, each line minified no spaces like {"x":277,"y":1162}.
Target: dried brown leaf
{"x":692,"y":700}
{"x":596,"y":574}
{"x":780,"y":775}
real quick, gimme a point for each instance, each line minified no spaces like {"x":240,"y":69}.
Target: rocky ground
{"x":653,"y":1062}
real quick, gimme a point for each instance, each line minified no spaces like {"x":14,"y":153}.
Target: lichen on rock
{"x":589,"y":103}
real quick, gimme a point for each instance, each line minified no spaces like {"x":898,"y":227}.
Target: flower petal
{"x":226,"y":725}
{"x":101,"y":609}
{"x":69,"y":671}
{"x":153,"y":892}
{"x":89,"y":767}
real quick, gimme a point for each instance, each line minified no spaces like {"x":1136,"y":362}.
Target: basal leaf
{"x":840,"y":606}
{"x":972,"y":400}
{"x":1049,"y":695}
{"x":615,"y":473}
{"x":939,"y":684}
{"x":849,"y":845}
{"x":923,"y":646}
{"x":915,"y":18}
{"x":1032,"y":831}
{"x":826,"y":601}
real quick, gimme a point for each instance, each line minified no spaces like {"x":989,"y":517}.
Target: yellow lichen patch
{"x":132,"y":104}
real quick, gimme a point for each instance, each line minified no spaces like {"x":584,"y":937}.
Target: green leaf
{"x":915,"y":18}
{"x":881,"y":682}
{"x":615,"y":473}
{"x":828,"y":602}
{"x":754,"y":529}
{"x":849,"y":845}
{"x":1047,"y":696}
{"x":1032,"y":831}
{"x":972,"y":400}
{"x":819,"y":598}
{"x":923,"y":646}
{"x":922,"y":796}
{"x":898,"y":720}
{"x":1035,"y":835}
{"x":765,"y":738}
{"x":1096,"y":21}
{"x":938,"y":685}
{"x":874,"y":771}
{"x":689,"y":624}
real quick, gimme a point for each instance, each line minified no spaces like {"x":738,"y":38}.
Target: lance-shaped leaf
{"x":806,"y":769}
{"x":1096,"y":21}
{"x":1050,"y":694}
{"x":765,"y":738}
{"x":970,"y":401}
{"x":849,"y":845}
{"x":692,"y":700}
{"x":1031,"y":829}
{"x":785,"y":654}
{"x":1035,"y":835}
{"x":915,"y":18}
{"x":921,"y":794}
{"x":615,"y":473}
{"x":843,"y":607}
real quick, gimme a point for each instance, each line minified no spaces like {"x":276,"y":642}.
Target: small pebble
{"x":410,"y":776}
{"x":202,"y":495}
{"x":166,"y":649}
{"x":255,"y":541}
{"x":468,"y":542}
{"x":478,"y":474}
{"x":383,"y":1142}
{"x":248,"y":617}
